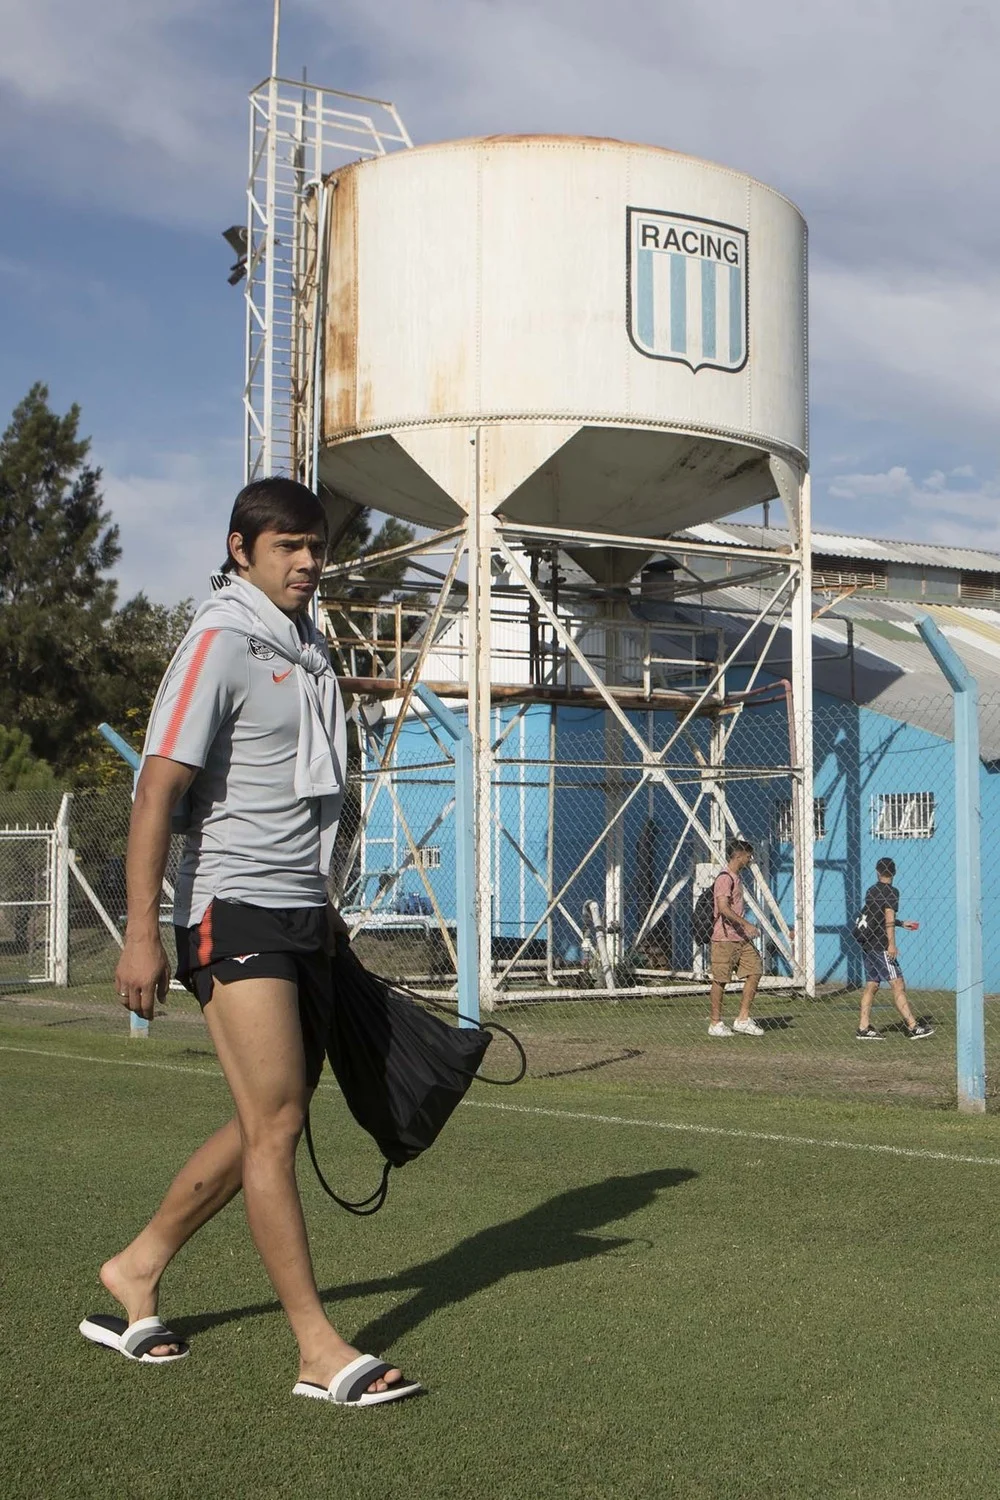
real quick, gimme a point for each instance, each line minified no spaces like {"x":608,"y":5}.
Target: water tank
{"x":625,"y":325}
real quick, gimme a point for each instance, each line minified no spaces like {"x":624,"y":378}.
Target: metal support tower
{"x":299,"y":134}
{"x":463,"y":651}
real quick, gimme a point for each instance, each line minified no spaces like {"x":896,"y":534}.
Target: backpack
{"x":703,"y":915}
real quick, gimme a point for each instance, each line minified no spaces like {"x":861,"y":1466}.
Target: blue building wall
{"x":858,"y":755}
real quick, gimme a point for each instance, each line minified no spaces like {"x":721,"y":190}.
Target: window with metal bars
{"x":902,"y":815}
{"x":429,"y":857}
{"x":849,"y":573}
{"x":782,"y":825}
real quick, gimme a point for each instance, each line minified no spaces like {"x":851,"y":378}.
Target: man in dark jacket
{"x":877,"y":937}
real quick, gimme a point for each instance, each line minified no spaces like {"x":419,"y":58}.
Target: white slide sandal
{"x":349,"y":1387}
{"x":133,"y":1340}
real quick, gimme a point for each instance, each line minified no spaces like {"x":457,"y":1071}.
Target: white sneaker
{"x":749,"y":1027}
{"x":719,"y":1028}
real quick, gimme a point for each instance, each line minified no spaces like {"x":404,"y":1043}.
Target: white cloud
{"x":958,"y":509}
{"x":906,"y":344}
{"x":129,"y":103}
{"x":172,"y":512}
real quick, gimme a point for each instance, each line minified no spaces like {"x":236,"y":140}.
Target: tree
{"x":57,"y":544}
{"x":20,"y":771}
{"x":356,"y":540}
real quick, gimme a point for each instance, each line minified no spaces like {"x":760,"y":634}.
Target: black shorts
{"x":234,"y":942}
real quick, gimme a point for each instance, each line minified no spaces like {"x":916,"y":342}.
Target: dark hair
{"x":886,"y":867}
{"x":275,"y":504}
{"x":738,"y":846}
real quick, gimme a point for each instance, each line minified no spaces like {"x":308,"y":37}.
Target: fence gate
{"x":34,"y":897}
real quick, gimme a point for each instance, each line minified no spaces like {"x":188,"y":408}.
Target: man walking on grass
{"x":733,"y":950}
{"x":876,"y":933}
{"x":247,"y":734}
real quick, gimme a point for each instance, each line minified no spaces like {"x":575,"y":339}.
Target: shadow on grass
{"x":626,"y":1055}
{"x":775,"y":1023}
{"x":556,"y":1233}
{"x":899,"y":1028}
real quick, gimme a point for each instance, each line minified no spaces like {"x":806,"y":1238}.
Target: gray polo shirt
{"x":230,"y":706}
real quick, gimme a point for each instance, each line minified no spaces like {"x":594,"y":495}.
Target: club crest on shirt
{"x":259,"y":650}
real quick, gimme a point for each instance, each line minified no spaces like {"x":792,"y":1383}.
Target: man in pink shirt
{"x":733,"y":950}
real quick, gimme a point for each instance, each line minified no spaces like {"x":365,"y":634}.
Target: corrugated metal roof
{"x":893,"y":671}
{"x":836,"y":544}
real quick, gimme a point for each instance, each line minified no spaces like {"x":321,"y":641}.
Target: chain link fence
{"x":595,"y":864}
{"x":62,"y":887}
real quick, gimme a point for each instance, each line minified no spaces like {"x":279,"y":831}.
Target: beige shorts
{"x":738,"y":960}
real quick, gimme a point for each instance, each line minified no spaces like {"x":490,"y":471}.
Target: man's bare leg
{"x":207,"y":1181}
{"x":867,"y":1000}
{"x":715,"y":996}
{"x":749,"y":991}
{"x":902,"y":1004}
{"x":255,"y":1026}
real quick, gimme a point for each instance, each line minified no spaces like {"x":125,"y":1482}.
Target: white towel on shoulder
{"x":321,"y":755}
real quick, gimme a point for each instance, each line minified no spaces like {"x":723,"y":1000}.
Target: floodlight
{"x":236,"y":238}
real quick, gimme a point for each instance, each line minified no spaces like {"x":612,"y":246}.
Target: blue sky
{"x":124,"y":123}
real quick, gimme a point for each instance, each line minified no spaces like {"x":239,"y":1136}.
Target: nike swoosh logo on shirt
{"x":280,"y":676}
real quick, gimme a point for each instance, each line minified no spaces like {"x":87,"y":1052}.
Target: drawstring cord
{"x":365,"y":1207}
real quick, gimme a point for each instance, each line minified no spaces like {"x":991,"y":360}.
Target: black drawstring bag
{"x":401,"y":1070}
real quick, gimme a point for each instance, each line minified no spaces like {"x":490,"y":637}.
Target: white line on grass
{"x":911,"y":1152}
{"x":740,"y":1135}
{"x":117,"y":1062}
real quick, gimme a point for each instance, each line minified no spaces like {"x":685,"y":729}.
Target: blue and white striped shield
{"x":687,"y":289}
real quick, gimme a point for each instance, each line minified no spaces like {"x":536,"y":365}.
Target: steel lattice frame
{"x":697,"y":788}
{"x":299,"y":133}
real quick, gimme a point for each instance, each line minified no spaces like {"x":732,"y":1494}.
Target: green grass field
{"x":609,"y":1291}
{"x":652,"y":1042}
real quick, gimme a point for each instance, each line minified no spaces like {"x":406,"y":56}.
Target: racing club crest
{"x":259,"y":650}
{"x":687,"y":289}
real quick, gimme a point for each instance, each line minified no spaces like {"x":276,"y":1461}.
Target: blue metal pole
{"x":465,"y":866}
{"x":971,"y":1039}
{"x":123,"y":747}
{"x":138,"y":1027}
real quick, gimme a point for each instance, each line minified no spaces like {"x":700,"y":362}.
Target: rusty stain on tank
{"x":446,"y":386}
{"x":342,"y":308}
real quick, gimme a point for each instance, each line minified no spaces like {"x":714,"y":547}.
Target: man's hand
{"x":892,"y":951}
{"x":749,"y":930}
{"x":143,"y":972}
{"x":142,"y":975}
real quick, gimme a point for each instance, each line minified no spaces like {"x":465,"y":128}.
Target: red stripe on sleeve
{"x":186,"y":693}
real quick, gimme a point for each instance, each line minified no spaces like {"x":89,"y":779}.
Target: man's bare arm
{"x":727,"y":912}
{"x":143,"y":971}
{"x":890,"y":931}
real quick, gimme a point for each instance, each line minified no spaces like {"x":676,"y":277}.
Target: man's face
{"x":745,"y":859}
{"x":285,"y":566}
